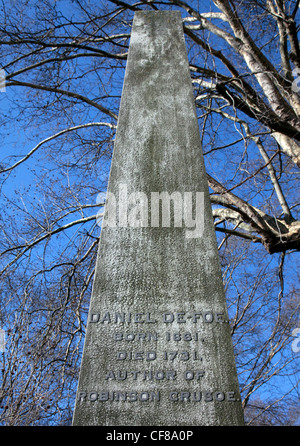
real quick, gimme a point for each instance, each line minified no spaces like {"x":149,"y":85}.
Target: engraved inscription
{"x":206,"y":396}
{"x":184,"y":336}
{"x":167,"y":317}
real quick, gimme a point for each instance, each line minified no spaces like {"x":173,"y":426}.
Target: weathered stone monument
{"x":158,"y":349}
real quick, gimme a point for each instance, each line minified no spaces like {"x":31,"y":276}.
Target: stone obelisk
{"x":158,"y":348}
